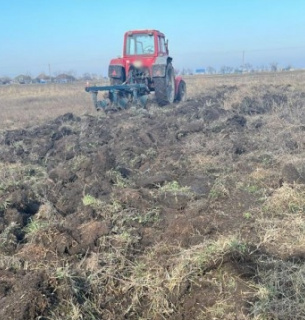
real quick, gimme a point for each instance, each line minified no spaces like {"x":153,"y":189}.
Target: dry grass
{"x":146,"y":281}
{"x":281,"y":225}
{"x":199,"y":83}
{"x":288,"y":199}
{"x":282,"y":295}
{"x":26,"y":105}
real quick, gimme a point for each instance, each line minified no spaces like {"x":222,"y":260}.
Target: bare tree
{"x":86,"y":76}
{"x":5,"y":80}
{"x":226,"y":69}
{"x":210,"y":70}
{"x":72,"y":73}
{"x":288,"y":68}
{"x":248,"y":67}
{"x":189,"y":71}
{"x":274,"y":66}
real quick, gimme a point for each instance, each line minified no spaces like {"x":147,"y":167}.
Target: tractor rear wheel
{"x":165,"y":86}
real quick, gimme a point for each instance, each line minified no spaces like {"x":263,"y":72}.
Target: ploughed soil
{"x":148,"y":214}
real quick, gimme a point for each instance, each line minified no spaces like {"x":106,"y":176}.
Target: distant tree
{"x":186,"y":71}
{"x":263,"y":68}
{"x":226,"y":69}
{"x":94,"y":76}
{"x":71,"y":73}
{"x":56,"y":73}
{"x":230,"y":69}
{"x":223,"y":69}
{"x":42,"y":75}
{"x":210,"y":70}
{"x":5,"y":80}
{"x":288,"y":68}
{"x":86,"y":76}
{"x":23,"y":79}
{"x":274,"y":66}
{"x":247,"y":67}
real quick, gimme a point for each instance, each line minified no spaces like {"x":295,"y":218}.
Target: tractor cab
{"x":146,"y":42}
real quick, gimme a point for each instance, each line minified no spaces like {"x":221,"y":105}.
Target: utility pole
{"x":49,"y":70}
{"x":243,"y":65}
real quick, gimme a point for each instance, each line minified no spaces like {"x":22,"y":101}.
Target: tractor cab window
{"x":162,"y":47}
{"x":140,"y":44}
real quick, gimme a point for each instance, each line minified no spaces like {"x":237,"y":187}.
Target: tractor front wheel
{"x":165,"y":87}
{"x":181,"y":94}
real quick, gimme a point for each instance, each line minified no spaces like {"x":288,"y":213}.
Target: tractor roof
{"x":145,"y":31}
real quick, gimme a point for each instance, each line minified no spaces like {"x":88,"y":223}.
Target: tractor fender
{"x":159,"y":67}
{"x":116,"y":71}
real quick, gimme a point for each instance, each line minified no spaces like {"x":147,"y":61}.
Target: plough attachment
{"x":120,"y":96}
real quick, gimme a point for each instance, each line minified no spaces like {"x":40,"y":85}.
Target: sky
{"x":83,"y":35}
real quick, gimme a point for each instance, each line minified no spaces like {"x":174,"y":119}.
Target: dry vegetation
{"x":28,"y":105}
{"x":193,"y":211}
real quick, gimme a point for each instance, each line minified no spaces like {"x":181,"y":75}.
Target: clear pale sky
{"x":83,"y":35}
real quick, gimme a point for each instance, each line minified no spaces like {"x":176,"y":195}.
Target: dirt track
{"x":158,"y":214}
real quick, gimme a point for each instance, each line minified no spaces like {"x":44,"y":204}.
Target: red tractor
{"x":145,"y":66}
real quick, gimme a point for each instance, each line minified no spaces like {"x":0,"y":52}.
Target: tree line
{"x":225,"y":69}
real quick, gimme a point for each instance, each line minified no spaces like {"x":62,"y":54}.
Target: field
{"x":191,"y":211}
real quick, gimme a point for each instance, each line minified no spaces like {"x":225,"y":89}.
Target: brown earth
{"x":154,"y":214}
